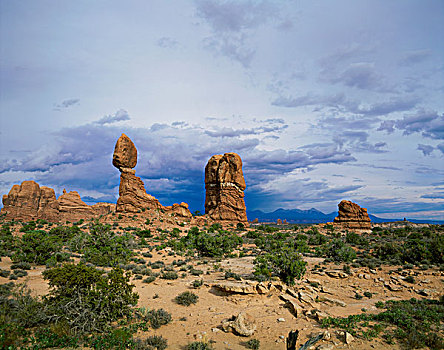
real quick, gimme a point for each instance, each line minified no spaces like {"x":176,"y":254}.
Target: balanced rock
{"x":132,"y":194}
{"x":225,"y":185}
{"x":125,"y":153}
{"x":352,"y":216}
{"x":29,"y":201}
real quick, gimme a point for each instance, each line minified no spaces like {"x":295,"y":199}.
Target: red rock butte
{"x":352,"y":216}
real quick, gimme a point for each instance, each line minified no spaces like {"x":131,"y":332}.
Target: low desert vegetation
{"x":91,"y":269}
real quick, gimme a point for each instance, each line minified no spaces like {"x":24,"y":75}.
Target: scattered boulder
{"x":336,"y":274}
{"x":352,"y":216}
{"x":225,"y":185}
{"x":243,"y":324}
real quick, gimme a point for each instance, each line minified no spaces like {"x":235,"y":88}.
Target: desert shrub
{"x":18,"y":307}
{"x":229,"y":274}
{"x":338,"y":251}
{"x":416,"y":323}
{"x":7,"y":240}
{"x":368,"y":294}
{"x":285,"y":263}
{"x":36,"y":247}
{"x":20,"y":273}
{"x":199,"y":345}
{"x":217,"y":245}
{"x":253,"y":344}
{"x":253,"y":234}
{"x":149,"y":279}
{"x":268,"y":229}
{"x":436,"y":248}
{"x":65,"y":233}
{"x":415,"y":251}
{"x":186,"y":298}
{"x":28,"y":226}
{"x":21,"y":265}
{"x":4,"y":273}
{"x":354,"y":238}
{"x":157,"y":318}
{"x":105,"y":248}
{"x":169,"y":275}
{"x":117,"y":338}
{"x":196,"y":272}
{"x":317,"y":239}
{"x":240,"y":226}
{"x":86,"y":298}
{"x":156,"y":342}
{"x":197,"y":283}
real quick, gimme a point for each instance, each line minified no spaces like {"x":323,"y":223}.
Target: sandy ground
{"x":202,"y":321}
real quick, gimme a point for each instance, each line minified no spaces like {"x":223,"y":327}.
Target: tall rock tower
{"x":225,"y":185}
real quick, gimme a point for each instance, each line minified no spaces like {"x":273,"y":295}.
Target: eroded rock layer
{"x":29,"y":201}
{"x":351,"y":215}
{"x":225,"y":185}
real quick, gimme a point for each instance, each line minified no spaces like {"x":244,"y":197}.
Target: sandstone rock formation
{"x":133,"y":197}
{"x":352,"y":216}
{"x":29,"y":201}
{"x":225,"y":185}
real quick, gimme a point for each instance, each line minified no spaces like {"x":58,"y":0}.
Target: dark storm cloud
{"x":425,"y":149}
{"x":120,"y":115}
{"x":170,"y":162}
{"x":66,"y":103}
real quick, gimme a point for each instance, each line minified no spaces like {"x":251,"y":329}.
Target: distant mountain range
{"x":314,"y":216}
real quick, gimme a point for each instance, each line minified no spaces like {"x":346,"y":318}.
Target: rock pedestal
{"x":133,"y":197}
{"x":352,"y":216}
{"x":225,"y":185}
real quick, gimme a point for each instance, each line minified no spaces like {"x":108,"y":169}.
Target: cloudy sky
{"x":323,"y":100}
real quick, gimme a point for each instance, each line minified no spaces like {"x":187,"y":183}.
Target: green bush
{"x":37,"y":247}
{"x":156,"y":342}
{"x":253,"y":344}
{"x":197,"y":283}
{"x":86,"y":298}
{"x":199,"y":345}
{"x":169,"y":275}
{"x":102,"y":247}
{"x":285,"y":263}
{"x":339,"y":251}
{"x":186,"y":298}
{"x":217,"y":245}
{"x":157,"y":318}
